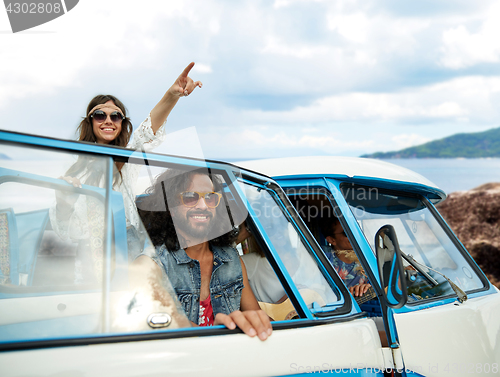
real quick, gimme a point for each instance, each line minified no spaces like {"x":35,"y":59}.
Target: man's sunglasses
{"x":191,"y":198}
{"x":100,"y":116}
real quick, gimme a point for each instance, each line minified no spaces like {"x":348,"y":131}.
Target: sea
{"x":454,"y":174}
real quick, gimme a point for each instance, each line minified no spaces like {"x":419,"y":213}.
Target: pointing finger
{"x":187,"y":69}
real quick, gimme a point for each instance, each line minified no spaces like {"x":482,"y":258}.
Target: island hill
{"x":470,"y":145}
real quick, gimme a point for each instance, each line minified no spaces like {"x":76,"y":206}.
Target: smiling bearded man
{"x":193,"y":216}
{"x":189,"y":224}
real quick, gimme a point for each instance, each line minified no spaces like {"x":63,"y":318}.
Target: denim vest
{"x":226,"y":282}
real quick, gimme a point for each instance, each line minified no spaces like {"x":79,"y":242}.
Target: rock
{"x":474,"y":216}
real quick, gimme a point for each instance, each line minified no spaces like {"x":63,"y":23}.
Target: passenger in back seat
{"x":261,"y":276}
{"x":341,"y":254}
{"x":265,"y":283}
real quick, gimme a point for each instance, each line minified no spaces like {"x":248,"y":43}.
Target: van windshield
{"x":419,"y":235}
{"x":59,"y":275}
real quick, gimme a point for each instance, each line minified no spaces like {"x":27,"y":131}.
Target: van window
{"x":61,"y":253}
{"x":419,"y":235}
{"x":290,"y":248}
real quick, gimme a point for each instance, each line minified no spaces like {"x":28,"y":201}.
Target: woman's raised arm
{"x":182,"y":87}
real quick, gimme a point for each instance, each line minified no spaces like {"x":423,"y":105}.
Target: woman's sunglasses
{"x":191,"y":198}
{"x":100,"y":116}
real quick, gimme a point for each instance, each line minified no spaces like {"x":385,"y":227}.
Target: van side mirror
{"x":390,"y":267}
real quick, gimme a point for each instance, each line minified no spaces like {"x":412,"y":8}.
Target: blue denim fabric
{"x":183,"y":272}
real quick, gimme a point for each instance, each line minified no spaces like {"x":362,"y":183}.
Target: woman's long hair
{"x":156,"y":215}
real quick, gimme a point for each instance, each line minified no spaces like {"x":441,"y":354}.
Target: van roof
{"x":335,"y":165}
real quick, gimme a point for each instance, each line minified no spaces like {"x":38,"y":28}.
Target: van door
{"x":437,"y":334}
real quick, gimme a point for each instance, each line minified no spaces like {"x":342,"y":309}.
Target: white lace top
{"x":77,"y":226}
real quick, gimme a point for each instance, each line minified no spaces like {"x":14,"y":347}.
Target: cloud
{"x":292,"y":76}
{"x":202,"y":68}
{"x":408,"y":140}
{"x":353,"y":27}
{"x":95,"y":41}
{"x":462,"y":47}
{"x":456,"y":100}
{"x":275,"y":46}
{"x":262,"y":141}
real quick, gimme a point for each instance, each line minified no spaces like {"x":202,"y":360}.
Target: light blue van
{"x":69,"y":304}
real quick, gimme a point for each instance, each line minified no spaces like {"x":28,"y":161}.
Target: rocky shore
{"x":474,"y":216}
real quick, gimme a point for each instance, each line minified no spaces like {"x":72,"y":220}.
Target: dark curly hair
{"x":155,"y":213}
{"x":326,"y":225}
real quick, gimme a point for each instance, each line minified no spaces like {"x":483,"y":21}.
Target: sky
{"x":280,"y":78}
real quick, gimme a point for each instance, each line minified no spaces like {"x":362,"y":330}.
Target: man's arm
{"x":248,"y":300}
{"x":251,"y":319}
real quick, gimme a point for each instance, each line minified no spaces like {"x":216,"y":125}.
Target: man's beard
{"x":200,"y":232}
